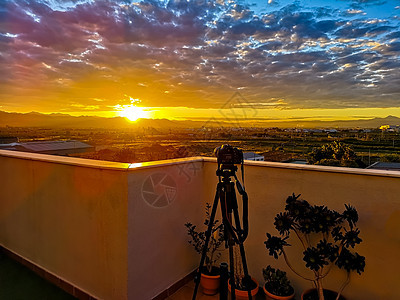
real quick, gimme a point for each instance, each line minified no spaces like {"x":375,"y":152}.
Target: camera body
{"x":228,"y":155}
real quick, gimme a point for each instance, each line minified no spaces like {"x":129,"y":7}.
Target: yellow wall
{"x":90,"y":222}
{"x":375,"y":194}
{"x":69,"y":219}
{"x":158,"y":251}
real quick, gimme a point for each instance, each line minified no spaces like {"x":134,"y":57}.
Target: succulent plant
{"x":333,"y":234}
{"x":276,"y":282}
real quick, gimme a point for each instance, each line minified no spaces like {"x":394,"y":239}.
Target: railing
{"x":116,"y":230}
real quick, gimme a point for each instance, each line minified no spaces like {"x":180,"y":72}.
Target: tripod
{"x":226,"y":195}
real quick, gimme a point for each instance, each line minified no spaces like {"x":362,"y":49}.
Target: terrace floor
{"x":20,"y":283}
{"x":186,"y":293}
{"x":17,"y":282}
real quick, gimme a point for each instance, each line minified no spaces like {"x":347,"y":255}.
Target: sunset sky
{"x":200,"y":59}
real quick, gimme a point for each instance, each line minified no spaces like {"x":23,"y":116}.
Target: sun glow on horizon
{"x":131,"y":111}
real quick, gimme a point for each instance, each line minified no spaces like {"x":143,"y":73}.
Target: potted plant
{"x":327,"y":238}
{"x":241,"y":284}
{"x":210,"y":276}
{"x":277,"y":286}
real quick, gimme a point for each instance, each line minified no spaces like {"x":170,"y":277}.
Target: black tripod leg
{"x":208,"y":235}
{"x":223,"y":288}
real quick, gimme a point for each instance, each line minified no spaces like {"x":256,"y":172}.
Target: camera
{"x":228,"y":155}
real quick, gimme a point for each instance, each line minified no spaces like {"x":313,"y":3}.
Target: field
{"x":146,"y":144}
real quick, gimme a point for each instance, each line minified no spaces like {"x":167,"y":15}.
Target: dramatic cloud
{"x":71,"y":55}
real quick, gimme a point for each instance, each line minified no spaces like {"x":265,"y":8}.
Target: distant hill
{"x":361,"y":123}
{"x":377,"y":122}
{"x":57,"y":120}
{"x":34,"y":119}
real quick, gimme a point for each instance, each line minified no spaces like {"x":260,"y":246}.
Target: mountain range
{"x":57,"y":120}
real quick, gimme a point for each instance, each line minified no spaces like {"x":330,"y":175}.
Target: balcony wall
{"x":158,"y":252}
{"x":68,"y":217}
{"x":100,"y":225}
{"x":107,"y":229}
{"x":375,"y":194}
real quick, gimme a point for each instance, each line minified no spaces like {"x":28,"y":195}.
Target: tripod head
{"x":226,"y":171}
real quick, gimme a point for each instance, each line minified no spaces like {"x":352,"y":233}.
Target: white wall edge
{"x":101,"y":164}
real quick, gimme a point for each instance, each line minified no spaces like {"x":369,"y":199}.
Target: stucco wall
{"x":158,"y":252}
{"x":69,"y":217}
{"x":103,"y":227}
{"x":376,"y":195}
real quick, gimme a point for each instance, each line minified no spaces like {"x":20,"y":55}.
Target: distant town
{"x":374,"y":147}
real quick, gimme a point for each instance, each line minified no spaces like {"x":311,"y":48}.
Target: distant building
{"x":50,"y":147}
{"x":252,"y":156}
{"x":388,"y":166}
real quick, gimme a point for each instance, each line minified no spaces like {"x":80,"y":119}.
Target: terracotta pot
{"x":243,"y":295}
{"x":328,"y":294}
{"x":210,"y":284}
{"x":270,"y":296}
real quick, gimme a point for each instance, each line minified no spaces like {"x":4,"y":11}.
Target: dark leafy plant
{"x":198,"y":239}
{"x":275,"y":245}
{"x":326,"y":236}
{"x":276,"y":282}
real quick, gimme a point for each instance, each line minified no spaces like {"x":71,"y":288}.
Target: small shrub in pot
{"x":327,"y":238}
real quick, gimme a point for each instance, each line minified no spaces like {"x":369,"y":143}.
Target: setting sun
{"x":131,"y":111}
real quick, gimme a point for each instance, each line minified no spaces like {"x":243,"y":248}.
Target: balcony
{"x":115,"y":231}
